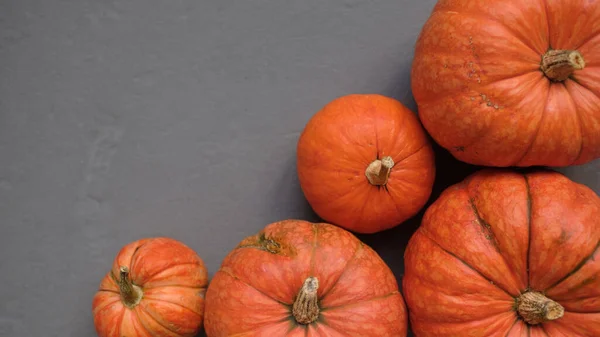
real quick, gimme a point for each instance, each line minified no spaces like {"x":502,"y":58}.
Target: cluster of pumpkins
{"x":506,"y":252}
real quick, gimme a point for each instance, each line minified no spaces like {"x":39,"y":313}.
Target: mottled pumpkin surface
{"x":253,"y":292}
{"x":499,"y":234}
{"x":480,"y":90}
{"x":342,"y":140}
{"x":173,"y":280}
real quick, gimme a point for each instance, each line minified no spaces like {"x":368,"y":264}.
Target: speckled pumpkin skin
{"x":342,"y":139}
{"x":252,"y":293}
{"x":495,"y":235}
{"x":481,"y":94}
{"x":174,"y":280}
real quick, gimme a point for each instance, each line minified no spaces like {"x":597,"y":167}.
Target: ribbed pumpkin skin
{"x":253,"y":292}
{"x":338,"y":144}
{"x":495,"y":236}
{"x":480,"y":90}
{"x":173,"y":279}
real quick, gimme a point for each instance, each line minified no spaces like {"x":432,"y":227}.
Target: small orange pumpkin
{"x":156,"y":288}
{"x":365,"y":163}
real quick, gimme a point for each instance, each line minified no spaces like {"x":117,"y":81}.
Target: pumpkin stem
{"x":379,"y":170}
{"x":535,"y":308}
{"x":558,"y":65}
{"x":306,"y":308}
{"x":131,"y":295}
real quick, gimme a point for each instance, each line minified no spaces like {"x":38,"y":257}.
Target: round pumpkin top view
{"x":505,"y":254}
{"x":364,"y":163}
{"x":156,"y":287}
{"x":511,"y":83}
{"x":300,"y":279}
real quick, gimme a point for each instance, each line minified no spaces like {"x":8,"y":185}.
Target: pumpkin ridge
{"x":323,"y":321}
{"x":143,"y":322}
{"x":574,"y":79}
{"x":424,"y":145}
{"x":537,"y":130}
{"x":150,"y":299}
{"x":593,"y":35}
{"x":395,"y":141}
{"x":349,"y":305}
{"x":176,"y":286}
{"x":375,"y":129}
{"x":358,"y":248}
{"x":122,"y":321}
{"x":387,"y":191}
{"x":140,"y":325}
{"x":548,"y":23}
{"x":151,"y":277}
{"x":418,"y":319}
{"x":108,"y":291}
{"x":367,"y":196}
{"x":153,"y":317}
{"x":451,"y":145}
{"x":106,"y":304}
{"x":544,"y":331}
{"x":578,"y":122}
{"x":245,"y":333}
{"x":486,"y":227}
{"x":512,"y":327}
{"x":491,"y":236}
{"x":133,"y":259}
{"x":529,"y":219}
{"x":424,"y":233}
{"x":576,"y":269}
{"x":313,"y":253}
{"x":222,"y":270}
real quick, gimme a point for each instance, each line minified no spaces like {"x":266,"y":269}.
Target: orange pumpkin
{"x":365,"y":163}
{"x":505,"y":254}
{"x":511,"y":82}
{"x":156,"y":288}
{"x":301,"y":279}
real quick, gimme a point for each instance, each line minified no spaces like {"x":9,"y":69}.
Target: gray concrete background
{"x":127,"y":119}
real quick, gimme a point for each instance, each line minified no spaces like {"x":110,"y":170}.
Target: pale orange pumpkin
{"x":300,"y":279}
{"x":511,"y":82}
{"x":156,"y":287}
{"x":505,"y":254}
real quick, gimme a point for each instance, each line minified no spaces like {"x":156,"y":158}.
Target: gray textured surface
{"x":127,"y":119}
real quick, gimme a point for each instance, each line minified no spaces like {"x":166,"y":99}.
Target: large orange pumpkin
{"x":511,"y":82}
{"x":365,"y":163}
{"x":156,"y":287}
{"x":505,"y":254}
{"x":301,"y":279}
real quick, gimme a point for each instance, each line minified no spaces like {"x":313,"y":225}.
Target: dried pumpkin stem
{"x":379,"y":170}
{"x":535,"y":308}
{"x":558,"y":65}
{"x":131,"y":295}
{"x":306,"y":307}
